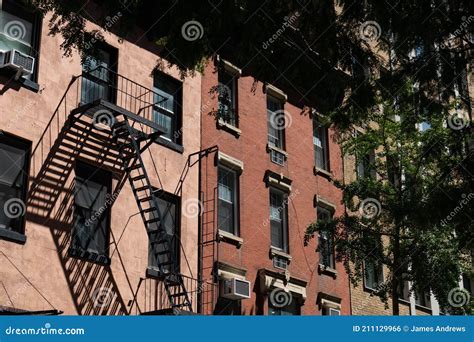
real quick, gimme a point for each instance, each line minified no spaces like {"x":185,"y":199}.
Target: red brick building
{"x":267,"y":177}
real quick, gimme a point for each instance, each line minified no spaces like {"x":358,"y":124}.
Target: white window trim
{"x":229,"y":67}
{"x":275,"y":92}
{"x":230,"y":162}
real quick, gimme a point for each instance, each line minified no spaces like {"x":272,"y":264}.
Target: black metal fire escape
{"x":128,"y":141}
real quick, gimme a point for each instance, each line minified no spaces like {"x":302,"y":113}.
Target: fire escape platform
{"x":91,"y":108}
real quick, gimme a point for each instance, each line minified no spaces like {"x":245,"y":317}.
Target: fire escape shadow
{"x":92,"y":286}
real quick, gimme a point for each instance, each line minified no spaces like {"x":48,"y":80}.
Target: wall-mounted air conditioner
{"x":235,"y":288}
{"x":14,"y":59}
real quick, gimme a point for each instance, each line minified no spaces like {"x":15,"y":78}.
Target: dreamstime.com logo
{"x":14,"y":208}
{"x":103,"y":119}
{"x":192,"y":30}
{"x":46,"y":330}
{"x":14,"y":30}
{"x":192,"y":207}
{"x":370,"y":31}
{"x":370,"y":208}
{"x":280,"y":298}
{"x":102,"y":296}
{"x":458,"y":297}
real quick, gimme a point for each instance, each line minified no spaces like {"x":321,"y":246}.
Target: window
{"x":91,"y":210}
{"x":279,"y":220}
{"x":169,"y":207}
{"x":14,"y":156}
{"x":99,"y":76}
{"x":423,"y":298}
{"x":227,"y":89}
{"x":228,"y":307}
{"x":168,"y":110}
{"x":326,"y":243}
{"x":365,"y":166}
{"x":321,"y":146}
{"x":373,"y":274}
{"x":276,"y":124}
{"x":20,"y":30}
{"x":292,"y":309}
{"x":328,"y":311}
{"x":228,"y":185}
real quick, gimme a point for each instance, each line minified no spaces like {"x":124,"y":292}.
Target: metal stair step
{"x":153,"y":220}
{"x":145,"y":199}
{"x":178,"y":294}
{"x":141,"y":188}
{"x":138,"y":177}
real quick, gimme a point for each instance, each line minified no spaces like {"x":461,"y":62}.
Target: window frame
{"x":280,"y":132}
{"x":284,"y":221}
{"x":294,"y":304}
{"x":36,"y":20}
{"x":363,"y":169}
{"x":19,"y":235}
{"x":153,"y":270}
{"x":78,"y":251}
{"x":177,"y":114}
{"x":329,"y":240}
{"x":234,"y":81}
{"x":236,"y":199}
{"x":325,"y":163}
{"x":380,"y":275}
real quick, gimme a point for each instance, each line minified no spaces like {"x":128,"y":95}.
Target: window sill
{"x":93,"y":257}
{"x":12,"y":236}
{"x":320,"y":172}
{"x":229,"y":238}
{"x":153,"y":273}
{"x":276,"y":149}
{"x":277,"y":252}
{"x":169,"y":144}
{"x":221,"y":124}
{"x":24,"y":82}
{"x":327,"y":270}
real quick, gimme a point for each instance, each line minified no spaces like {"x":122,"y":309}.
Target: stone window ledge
{"x":229,"y":238}
{"x":11,"y":235}
{"x":327,"y":270}
{"x":276,"y":252}
{"x":320,"y":172}
{"x":228,"y":127}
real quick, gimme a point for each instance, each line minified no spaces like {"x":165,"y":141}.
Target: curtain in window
{"x":227,"y":195}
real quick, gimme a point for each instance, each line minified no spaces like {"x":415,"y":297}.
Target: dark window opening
{"x":321,"y":146}
{"x":168,"y":109}
{"x":20,"y":30}
{"x":92,"y":203}
{"x":279,"y":220}
{"x":169,"y":207}
{"x":366,"y":166}
{"x":99,"y":76}
{"x":326,"y":240}
{"x":14,"y":154}
{"x":227,"y":97}
{"x":276,"y":123}
{"x":228,"y":210}
{"x":291,"y":309}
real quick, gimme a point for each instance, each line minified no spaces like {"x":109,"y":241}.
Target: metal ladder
{"x":128,"y":141}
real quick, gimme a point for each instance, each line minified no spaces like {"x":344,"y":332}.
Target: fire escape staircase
{"x":128,"y":141}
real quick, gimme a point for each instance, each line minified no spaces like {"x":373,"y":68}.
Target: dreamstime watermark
{"x":192,"y":30}
{"x":14,"y":30}
{"x":466,"y":21}
{"x":463,"y":203}
{"x":370,"y":31}
{"x":280,"y":119}
{"x":46,"y":330}
{"x":109,"y":22}
{"x":286,"y":24}
{"x":102,"y":296}
{"x":14,"y":208}
{"x":109,"y":201}
{"x":192,"y":207}
{"x":370,"y":208}
{"x":103,"y":119}
{"x":457,"y":122}
{"x":280,"y":298}
{"x":458,"y":297}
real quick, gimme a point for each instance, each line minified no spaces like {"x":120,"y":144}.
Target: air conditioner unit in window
{"x":235,"y":288}
{"x":14,"y":59}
